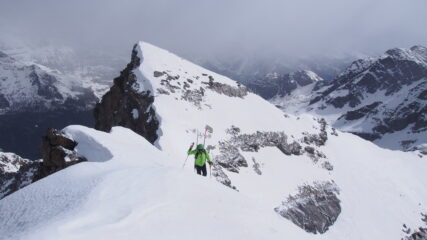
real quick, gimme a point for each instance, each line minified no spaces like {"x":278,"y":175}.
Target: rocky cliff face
{"x":124,"y":106}
{"x":58,"y":153}
{"x":17,"y":172}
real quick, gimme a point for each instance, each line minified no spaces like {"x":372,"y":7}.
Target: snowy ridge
{"x":129,"y":188}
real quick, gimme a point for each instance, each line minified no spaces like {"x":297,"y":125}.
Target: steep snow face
{"x":131,"y":189}
{"x":35,"y":87}
{"x":188,"y":98}
{"x":383,"y":100}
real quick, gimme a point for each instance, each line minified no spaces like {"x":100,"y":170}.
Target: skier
{"x":201,"y":155}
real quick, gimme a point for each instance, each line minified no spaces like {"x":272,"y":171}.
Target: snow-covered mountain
{"x":37,"y":88}
{"x":34,"y":97}
{"x":381,"y":99}
{"x":44,"y":85}
{"x":275,"y":85}
{"x":275,"y":175}
{"x":248,"y":68}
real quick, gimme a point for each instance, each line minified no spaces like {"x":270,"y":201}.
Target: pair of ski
{"x":207,"y":129}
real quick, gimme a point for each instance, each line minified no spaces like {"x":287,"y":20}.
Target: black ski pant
{"x":201,"y":170}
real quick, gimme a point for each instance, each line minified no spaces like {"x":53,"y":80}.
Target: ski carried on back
{"x":201,"y":155}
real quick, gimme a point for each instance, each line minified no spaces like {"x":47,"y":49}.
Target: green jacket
{"x":200,"y":158}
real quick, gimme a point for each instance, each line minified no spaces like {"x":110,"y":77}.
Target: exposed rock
{"x":314,"y":208}
{"x":230,"y":157}
{"x":317,"y":139}
{"x":257,"y":167}
{"x":293,"y":148}
{"x":327,"y":165}
{"x":116,"y":106}
{"x":158,"y":74}
{"x":239,"y":91}
{"x":15,"y":173}
{"x":309,"y":149}
{"x":194,"y":96}
{"x":221,"y":177}
{"x":58,"y":153}
{"x":416,"y":234}
{"x":361,"y":112}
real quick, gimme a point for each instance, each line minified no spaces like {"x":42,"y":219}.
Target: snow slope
{"x":130,"y":189}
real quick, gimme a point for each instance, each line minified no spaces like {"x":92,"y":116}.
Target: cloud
{"x":209,"y":27}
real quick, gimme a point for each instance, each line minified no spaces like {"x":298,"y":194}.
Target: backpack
{"x":201,"y":151}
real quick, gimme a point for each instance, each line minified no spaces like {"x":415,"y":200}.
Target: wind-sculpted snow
{"x":314,"y":208}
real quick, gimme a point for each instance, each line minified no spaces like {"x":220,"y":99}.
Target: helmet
{"x":200,"y":147}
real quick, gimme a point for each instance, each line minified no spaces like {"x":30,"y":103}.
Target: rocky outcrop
{"x":58,"y":153}
{"x":230,"y":157}
{"x":15,"y":173}
{"x":123,"y":105}
{"x":314,"y":208}
{"x":239,"y":91}
{"x":416,"y":234}
{"x":317,"y":139}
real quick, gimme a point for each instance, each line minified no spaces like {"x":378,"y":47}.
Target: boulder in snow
{"x":314,"y":208}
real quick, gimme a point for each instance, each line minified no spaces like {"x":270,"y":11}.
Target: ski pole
{"x":185,"y":160}
{"x":191,"y":147}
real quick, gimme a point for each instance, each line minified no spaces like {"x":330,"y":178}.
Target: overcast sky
{"x":202,"y":27}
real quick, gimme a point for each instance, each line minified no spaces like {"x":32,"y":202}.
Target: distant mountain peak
{"x":374,"y":97}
